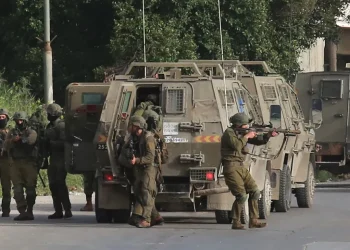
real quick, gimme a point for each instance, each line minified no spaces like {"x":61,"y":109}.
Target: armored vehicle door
{"x":178,"y":127}
{"x":114,"y":121}
{"x":330,"y":100}
{"x":84,"y":103}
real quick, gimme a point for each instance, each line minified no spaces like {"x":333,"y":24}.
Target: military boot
{"x":5,"y":212}
{"x":68,"y":214}
{"x":143,"y":224}
{"x":88,"y":206}
{"x":24,"y":215}
{"x":56,"y":215}
{"x":157,"y":221}
{"x":22,"y":211}
{"x":236,"y":224}
{"x":133,"y":220}
{"x":30,"y":215}
{"x":254,"y":223}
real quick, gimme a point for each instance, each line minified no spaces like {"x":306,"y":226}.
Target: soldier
{"x":152,"y":119}
{"x":89,"y":179}
{"x":55,"y":134}
{"x":138,"y":153}
{"x":151,"y":100}
{"x":5,"y":176}
{"x":21,"y":143}
{"x":237,"y":177}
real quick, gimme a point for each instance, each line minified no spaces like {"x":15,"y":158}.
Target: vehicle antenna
{"x":222,"y":59}
{"x":144,"y":35}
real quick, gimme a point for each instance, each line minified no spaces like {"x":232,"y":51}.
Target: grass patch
{"x":323,"y":176}
{"x":18,"y":97}
{"x":74,"y":183}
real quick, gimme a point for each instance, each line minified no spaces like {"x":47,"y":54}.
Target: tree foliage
{"x":95,"y":35}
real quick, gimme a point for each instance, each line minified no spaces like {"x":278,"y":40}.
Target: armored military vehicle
{"x":291,"y":158}
{"x":83,"y":107}
{"x":196,"y":108}
{"x":324,"y":98}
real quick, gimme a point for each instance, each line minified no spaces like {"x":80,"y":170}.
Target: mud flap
{"x":113,"y":196}
{"x":222,"y":201}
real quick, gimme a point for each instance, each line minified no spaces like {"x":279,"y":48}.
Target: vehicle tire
{"x":245,"y":214}
{"x":102,"y":215}
{"x":223,"y":217}
{"x":121,"y":215}
{"x":264,"y":202}
{"x":285,"y":191}
{"x":305,"y":195}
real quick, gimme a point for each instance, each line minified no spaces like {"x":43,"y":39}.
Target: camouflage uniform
{"x":21,"y":142}
{"x":55,"y":135}
{"x":152,"y":119}
{"x":89,"y":180}
{"x":5,"y":175}
{"x":150,"y":101}
{"x":237,"y":177}
{"x":144,"y":172}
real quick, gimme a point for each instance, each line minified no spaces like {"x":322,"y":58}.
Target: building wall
{"x":344,"y":43}
{"x":313,"y":58}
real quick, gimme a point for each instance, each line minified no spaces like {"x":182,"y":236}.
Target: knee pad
{"x":254,"y":195}
{"x":241,"y":198}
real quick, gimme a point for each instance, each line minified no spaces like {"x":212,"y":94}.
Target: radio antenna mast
{"x":222,"y":59}
{"x":144,"y":35}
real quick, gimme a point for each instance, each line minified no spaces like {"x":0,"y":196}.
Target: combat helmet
{"x":239,"y":119}
{"x":152,"y":98}
{"x":54,"y":109}
{"x":21,"y":115}
{"x":138,"y":121}
{"x":4,"y":111}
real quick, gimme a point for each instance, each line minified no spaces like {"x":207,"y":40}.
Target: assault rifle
{"x":131,"y":148}
{"x":264,"y":129}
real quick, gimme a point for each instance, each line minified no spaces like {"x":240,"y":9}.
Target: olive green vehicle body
{"x":195,"y":114}
{"x":324,"y":97}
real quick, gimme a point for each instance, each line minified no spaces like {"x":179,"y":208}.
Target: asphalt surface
{"x":325,"y":226}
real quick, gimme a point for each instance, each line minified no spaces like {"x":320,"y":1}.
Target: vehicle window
{"x":230,"y":98}
{"x":332,"y":89}
{"x":175,"y":101}
{"x":316,"y":111}
{"x":92,"y":99}
{"x":275,"y":115}
{"x":126,"y":101}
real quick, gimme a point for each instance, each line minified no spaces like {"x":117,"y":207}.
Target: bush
{"x":323,"y":176}
{"x":18,"y":97}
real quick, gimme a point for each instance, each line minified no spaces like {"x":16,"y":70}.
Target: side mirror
{"x":316,"y":112}
{"x":275,"y":116}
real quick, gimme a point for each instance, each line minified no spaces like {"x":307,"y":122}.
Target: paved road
{"x":325,"y":226}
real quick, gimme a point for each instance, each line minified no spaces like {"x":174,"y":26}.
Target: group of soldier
{"x":140,"y":155}
{"x":24,"y":151}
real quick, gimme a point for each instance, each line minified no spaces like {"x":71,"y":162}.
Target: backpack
{"x":162,"y":154}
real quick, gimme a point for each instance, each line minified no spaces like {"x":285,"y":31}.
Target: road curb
{"x":333,"y":185}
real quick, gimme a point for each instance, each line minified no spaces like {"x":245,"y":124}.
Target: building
{"x":327,"y":56}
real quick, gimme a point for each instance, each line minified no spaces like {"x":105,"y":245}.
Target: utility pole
{"x":144,"y":35}
{"x":48,"y":89}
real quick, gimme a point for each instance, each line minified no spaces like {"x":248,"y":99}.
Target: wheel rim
{"x":267,"y":195}
{"x":311,"y":183}
{"x":288,"y":192}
